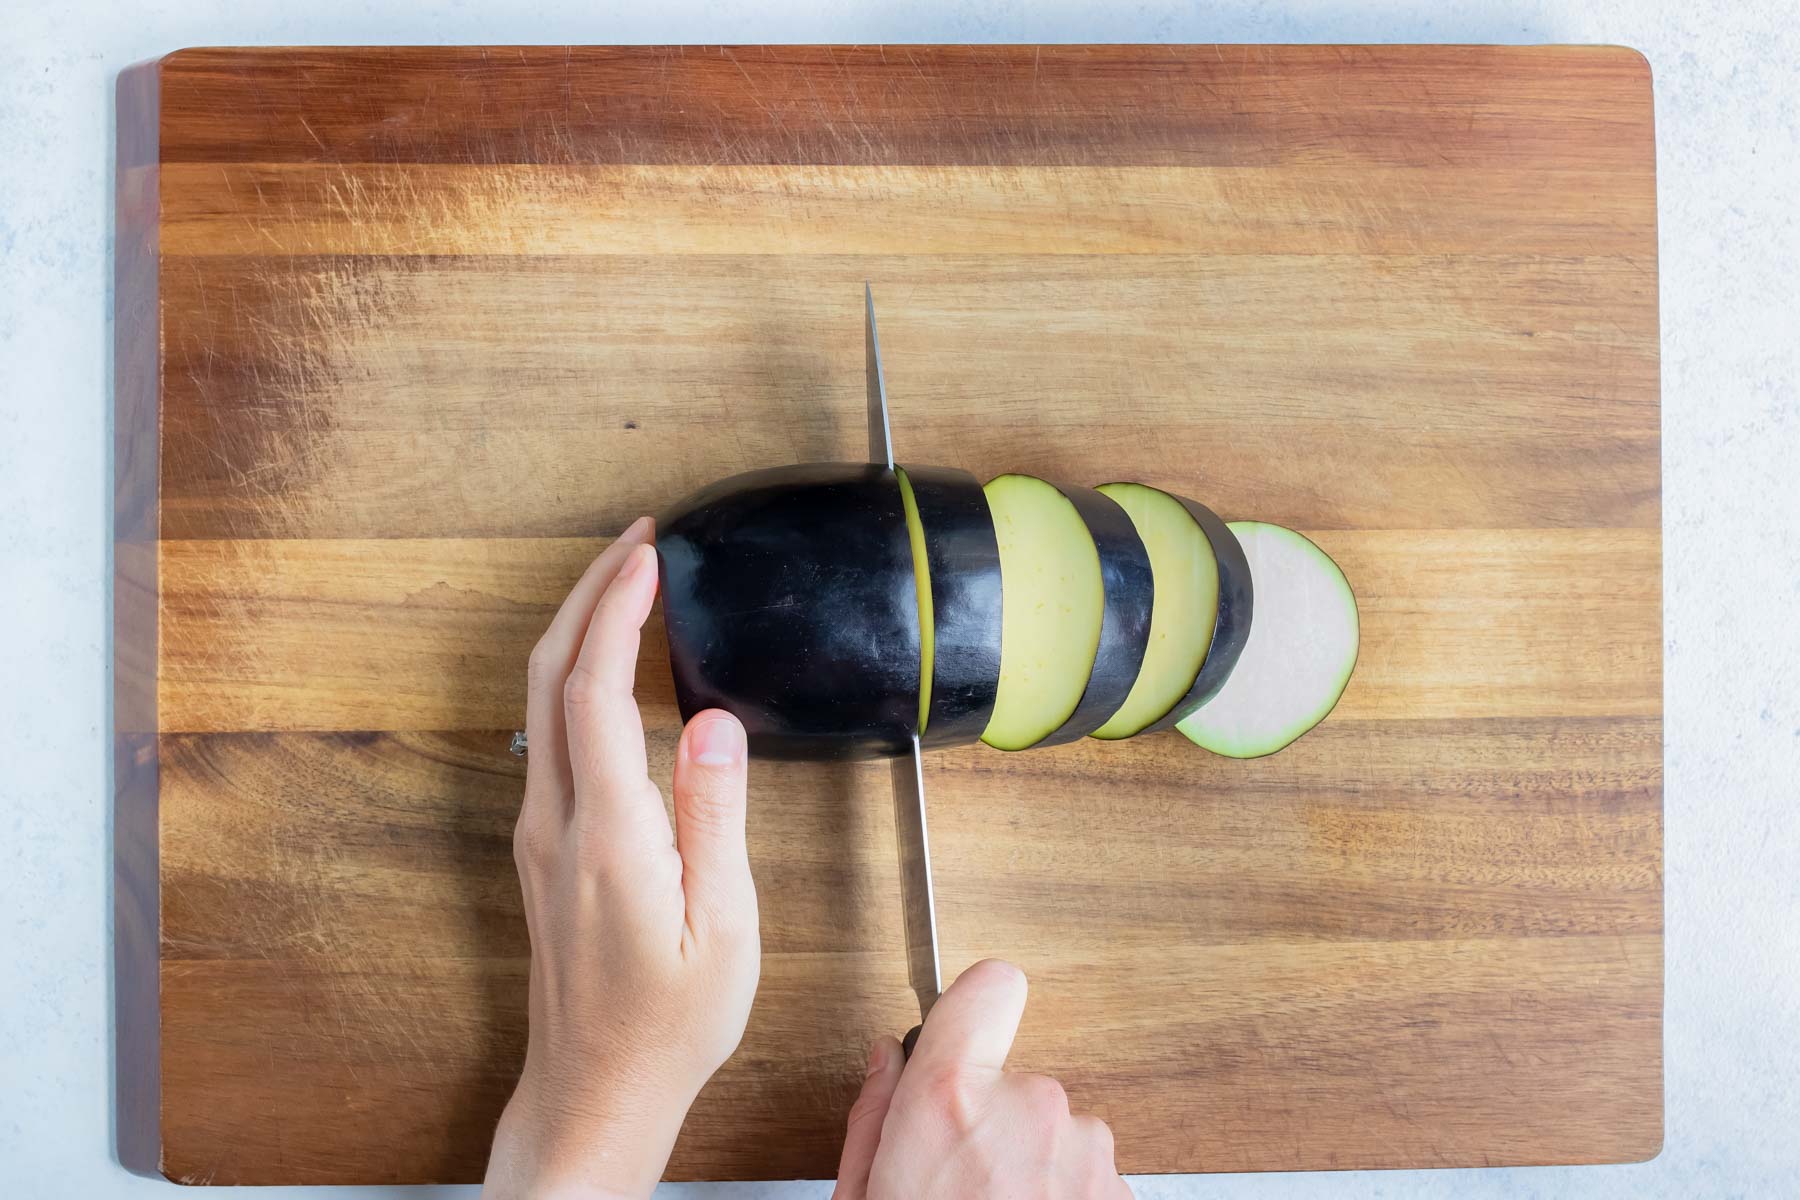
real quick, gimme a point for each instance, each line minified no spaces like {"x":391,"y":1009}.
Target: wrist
{"x":566,"y":1190}
{"x":554,"y":1143}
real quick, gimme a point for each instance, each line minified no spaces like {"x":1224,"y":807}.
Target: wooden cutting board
{"x":404,"y":336}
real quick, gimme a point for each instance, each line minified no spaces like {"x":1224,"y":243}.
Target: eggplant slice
{"x":1130,"y":594}
{"x":1202,"y":612}
{"x":915,"y":536}
{"x":1231,"y":628}
{"x":1300,"y":654}
{"x":1052,"y":614}
{"x":960,"y":603}
{"x":790,"y":601}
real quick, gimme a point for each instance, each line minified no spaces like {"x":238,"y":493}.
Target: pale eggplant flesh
{"x":790,"y":601}
{"x":1053,"y":612}
{"x":1231,"y":630}
{"x":1129,"y":598}
{"x":1300,"y":655}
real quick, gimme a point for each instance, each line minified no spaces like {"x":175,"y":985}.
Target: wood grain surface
{"x":405,"y":336}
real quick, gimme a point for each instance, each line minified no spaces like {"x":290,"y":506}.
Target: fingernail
{"x":637,"y":527}
{"x":878,"y":1058}
{"x":716,"y":742}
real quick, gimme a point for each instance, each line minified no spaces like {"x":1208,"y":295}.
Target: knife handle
{"x":909,"y":1041}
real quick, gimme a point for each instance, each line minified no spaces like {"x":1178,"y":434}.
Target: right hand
{"x":953,"y":1124}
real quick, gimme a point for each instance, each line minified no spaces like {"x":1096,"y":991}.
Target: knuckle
{"x":1100,"y":1136}
{"x":1044,"y":1095}
{"x":713,"y":806}
{"x":869,"y":1106}
{"x":735,"y":923}
{"x":957,"y":1094}
{"x":582,"y":689}
{"x":621,"y":860}
{"x":534,"y":844}
{"x":540,"y":667}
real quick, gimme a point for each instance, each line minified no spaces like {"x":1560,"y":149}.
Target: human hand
{"x":954,"y":1124}
{"x":644,"y":951}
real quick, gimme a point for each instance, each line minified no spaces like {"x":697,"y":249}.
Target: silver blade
{"x":881,"y":449}
{"x":917,"y":902}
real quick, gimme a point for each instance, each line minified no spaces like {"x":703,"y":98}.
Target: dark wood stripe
{"x":1086,"y":105}
{"x":395,"y":844}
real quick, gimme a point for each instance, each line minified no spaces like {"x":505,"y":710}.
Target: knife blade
{"x":881,"y":449}
{"x":918,"y":905}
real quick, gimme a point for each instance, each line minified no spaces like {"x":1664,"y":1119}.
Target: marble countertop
{"x":1728,"y":145}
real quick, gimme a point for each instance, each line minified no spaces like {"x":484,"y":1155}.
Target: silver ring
{"x":518,"y":746}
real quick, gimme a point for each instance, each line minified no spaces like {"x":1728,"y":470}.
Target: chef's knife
{"x":916,"y":900}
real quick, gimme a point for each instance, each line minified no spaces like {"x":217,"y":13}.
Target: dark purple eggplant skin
{"x":789,"y":599}
{"x":1130,"y":594}
{"x":1231,"y":631}
{"x":963,"y":557}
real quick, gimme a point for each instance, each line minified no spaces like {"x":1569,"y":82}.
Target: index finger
{"x":606,"y":731}
{"x":554,"y":656}
{"x":974,"y":1021}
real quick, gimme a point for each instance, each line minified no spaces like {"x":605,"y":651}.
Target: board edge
{"x":136,"y":383}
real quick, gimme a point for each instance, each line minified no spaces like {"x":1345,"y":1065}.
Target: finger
{"x":711,"y":765}
{"x":1085,"y":1154}
{"x":974,"y":1021}
{"x":1039,"y":1095}
{"x":606,"y":732}
{"x":862,"y":1135}
{"x":554,"y":656}
{"x":1094,"y":1138}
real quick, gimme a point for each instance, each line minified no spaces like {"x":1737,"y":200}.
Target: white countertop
{"x":1728,"y":146}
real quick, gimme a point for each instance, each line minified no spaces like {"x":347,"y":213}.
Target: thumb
{"x":973,"y":1022}
{"x":862,"y":1136}
{"x":711,"y":768}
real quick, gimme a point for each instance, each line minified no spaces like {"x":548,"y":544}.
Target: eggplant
{"x":1051,"y":618}
{"x":790,"y":601}
{"x":957,"y":564}
{"x":1202,"y":615}
{"x":1300,"y":654}
{"x":1130,"y":592}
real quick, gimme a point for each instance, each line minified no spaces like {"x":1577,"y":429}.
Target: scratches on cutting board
{"x":419,"y":824}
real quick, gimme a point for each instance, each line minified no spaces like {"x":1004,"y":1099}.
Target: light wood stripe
{"x":410,"y":634}
{"x":354,"y":397}
{"x":276,"y":209}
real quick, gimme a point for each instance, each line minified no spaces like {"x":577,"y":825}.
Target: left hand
{"x":644,"y":951}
